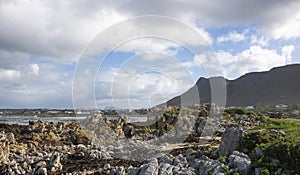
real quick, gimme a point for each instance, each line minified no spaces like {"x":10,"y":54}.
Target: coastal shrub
{"x":265,"y":171}
{"x":239,"y":111}
{"x":283,"y":147}
{"x":223,"y":159}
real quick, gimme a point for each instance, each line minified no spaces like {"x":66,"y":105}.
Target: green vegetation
{"x":239,"y":111}
{"x":279,"y":141}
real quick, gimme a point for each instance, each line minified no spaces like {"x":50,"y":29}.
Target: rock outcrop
{"x":230,"y":141}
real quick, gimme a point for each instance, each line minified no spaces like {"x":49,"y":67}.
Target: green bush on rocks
{"x":279,"y":141}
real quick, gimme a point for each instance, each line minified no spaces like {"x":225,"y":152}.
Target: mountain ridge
{"x":279,"y":85}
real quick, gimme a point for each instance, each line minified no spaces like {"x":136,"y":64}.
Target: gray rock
{"x":133,"y":170}
{"x":106,"y":166}
{"x":165,"y":169}
{"x":150,"y":169}
{"x":275,"y":161}
{"x":258,"y":170}
{"x":258,"y":150}
{"x":166,"y":159}
{"x":230,"y":141}
{"x":279,"y":171}
{"x":41,"y":171}
{"x":282,"y":133}
{"x":120,"y":170}
{"x":273,"y":131}
{"x":240,"y":161}
{"x":205,"y":164}
{"x":184,"y":172}
{"x":55,"y":162}
{"x":180,"y":161}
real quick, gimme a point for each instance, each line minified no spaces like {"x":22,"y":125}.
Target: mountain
{"x":280,"y":85}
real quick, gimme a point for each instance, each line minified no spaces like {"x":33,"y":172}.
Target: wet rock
{"x":240,"y":161}
{"x":230,"y":141}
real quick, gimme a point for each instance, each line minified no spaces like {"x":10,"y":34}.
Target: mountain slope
{"x":280,"y":85}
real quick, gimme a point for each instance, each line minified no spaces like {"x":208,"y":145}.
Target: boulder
{"x":133,"y":170}
{"x":240,"y":161}
{"x":41,"y":171}
{"x":166,"y":159}
{"x":165,"y":169}
{"x":230,"y":141}
{"x":55,"y":162}
{"x":150,"y":169}
{"x":180,"y":161}
{"x":120,"y":170}
{"x":205,"y":165}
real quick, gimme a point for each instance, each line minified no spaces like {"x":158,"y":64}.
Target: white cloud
{"x":9,"y":75}
{"x":148,"y":44}
{"x":35,"y":33}
{"x":45,"y":28}
{"x":261,"y":41}
{"x":287,"y":52}
{"x":34,"y":69}
{"x":253,"y":59}
{"x":138,"y":83}
{"x":288,"y":29}
{"x":233,"y":37}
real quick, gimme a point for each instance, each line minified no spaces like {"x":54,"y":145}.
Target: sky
{"x":135,"y":54}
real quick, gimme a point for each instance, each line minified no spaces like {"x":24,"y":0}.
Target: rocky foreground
{"x":66,"y":148}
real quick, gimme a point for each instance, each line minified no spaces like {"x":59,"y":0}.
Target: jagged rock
{"x":240,"y":161}
{"x":106,"y":166}
{"x":55,"y":162}
{"x":230,"y":141}
{"x":275,"y":161}
{"x":133,"y":170}
{"x":258,"y":150}
{"x":41,"y":171}
{"x":205,"y":164}
{"x":185,"y":172}
{"x":166,"y":159}
{"x":258,"y":170}
{"x":150,"y":169}
{"x":165,"y":169}
{"x":120,"y":170}
{"x":279,"y":171}
{"x":180,"y":161}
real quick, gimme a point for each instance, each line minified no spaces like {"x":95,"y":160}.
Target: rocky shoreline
{"x":68,"y":148}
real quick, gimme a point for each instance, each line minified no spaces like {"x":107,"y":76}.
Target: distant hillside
{"x":280,"y":85}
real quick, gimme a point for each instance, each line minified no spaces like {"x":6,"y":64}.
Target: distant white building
{"x":83,"y":113}
{"x":250,"y":107}
{"x":52,"y":112}
{"x":281,"y":106}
